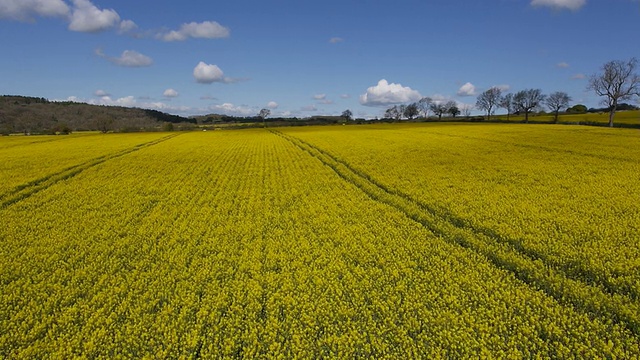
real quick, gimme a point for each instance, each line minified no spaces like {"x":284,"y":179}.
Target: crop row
{"x":242,"y":244}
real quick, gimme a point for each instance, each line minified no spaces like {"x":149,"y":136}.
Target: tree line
{"x":617,"y":81}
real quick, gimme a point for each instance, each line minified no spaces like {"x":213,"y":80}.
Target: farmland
{"x":390,"y":241}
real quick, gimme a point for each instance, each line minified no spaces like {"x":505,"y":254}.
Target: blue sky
{"x":303,"y":58}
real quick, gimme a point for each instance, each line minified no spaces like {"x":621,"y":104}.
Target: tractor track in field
{"x":593,"y":299}
{"x":26,"y":190}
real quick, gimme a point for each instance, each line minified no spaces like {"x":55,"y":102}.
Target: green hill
{"x":31,"y":115}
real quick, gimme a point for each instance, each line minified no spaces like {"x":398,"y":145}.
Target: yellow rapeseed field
{"x":385,"y":241}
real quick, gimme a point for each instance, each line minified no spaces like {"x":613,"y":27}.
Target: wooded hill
{"x":31,"y":115}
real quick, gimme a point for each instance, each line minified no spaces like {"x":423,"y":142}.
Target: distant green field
{"x":621,"y":118}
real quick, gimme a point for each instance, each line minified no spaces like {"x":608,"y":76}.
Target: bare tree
{"x":438,"y":109}
{"x":411,"y":111}
{"x":466,"y":110}
{"x":617,"y":81}
{"x":506,"y":102}
{"x":488,"y":100}
{"x":452,"y":108}
{"x":394,"y":112}
{"x":424,"y":105}
{"x":263,"y":114}
{"x":557,"y":101}
{"x":527,"y":100}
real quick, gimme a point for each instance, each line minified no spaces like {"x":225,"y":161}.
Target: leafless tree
{"x":424,"y":105}
{"x":617,"y":81}
{"x":411,"y":111}
{"x":488,"y":100}
{"x":527,"y":100}
{"x":466,"y":110}
{"x":506,"y":102}
{"x":394,"y":112}
{"x":438,"y":109}
{"x":557,"y":101}
{"x":452,"y":108}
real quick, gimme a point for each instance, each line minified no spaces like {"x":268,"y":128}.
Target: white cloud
{"x":26,"y":10}
{"x":127,"y":26}
{"x":208,"y":73}
{"x":388,"y":94}
{"x":579,"y":77}
{"x":272,"y":105}
{"x":319,"y":96}
{"x":127,"y":101}
{"x":502,"y":87}
{"x":231,"y":109}
{"x":335,"y":40}
{"x":203,"y":30}
{"x":101,"y":93}
{"x":170,"y":93}
{"x":129,"y":58}
{"x":467,"y":89}
{"x":86,"y":17}
{"x":562,"y":65}
{"x":560,"y":4}
{"x":83,"y":15}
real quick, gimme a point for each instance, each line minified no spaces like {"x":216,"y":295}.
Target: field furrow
{"x":251,"y":244}
{"x":507,"y":255}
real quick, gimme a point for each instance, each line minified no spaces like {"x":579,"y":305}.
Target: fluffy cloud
{"x":385,"y":94}
{"x":560,"y":4}
{"x":26,"y":10}
{"x":129,"y":58}
{"x":83,"y":15}
{"x":562,"y":65}
{"x":170,"y":93}
{"x":320,"y":96}
{"x":272,"y":105}
{"x":101,"y":93}
{"x":86,"y":17}
{"x":467,"y":89}
{"x":203,"y":30}
{"x":231,"y":109}
{"x":127,"y":26}
{"x":208,"y":73}
{"x":335,"y":40}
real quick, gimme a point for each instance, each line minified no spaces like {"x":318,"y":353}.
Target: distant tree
{"x":347,"y":115}
{"x":104,"y":123}
{"x":393,"y":112}
{"x":424,"y":105}
{"x":401,"y":109}
{"x":506,"y":102}
{"x":527,"y":100}
{"x":438,"y":109}
{"x":577,"y":109}
{"x":466,"y":110}
{"x":617,"y":81}
{"x":452,"y":108}
{"x":556,"y":101}
{"x":488,"y":100}
{"x":411,"y":111}
{"x":263,"y":114}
